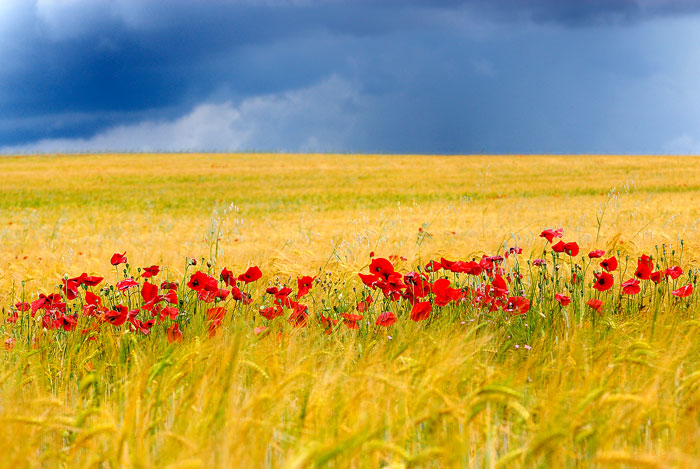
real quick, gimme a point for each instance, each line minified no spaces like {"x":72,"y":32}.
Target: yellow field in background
{"x":298,"y":213}
{"x":619,"y":389}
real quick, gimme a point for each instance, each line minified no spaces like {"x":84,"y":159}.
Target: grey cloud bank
{"x":388,"y":76}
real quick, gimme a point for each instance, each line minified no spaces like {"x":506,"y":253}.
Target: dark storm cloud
{"x":569,"y":12}
{"x":164,"y":55}
{"x":434,"y":76}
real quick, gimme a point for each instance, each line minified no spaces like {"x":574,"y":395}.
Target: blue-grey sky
{"x":386,"y":76}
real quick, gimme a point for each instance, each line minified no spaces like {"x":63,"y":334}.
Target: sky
{"x":357,"y":76}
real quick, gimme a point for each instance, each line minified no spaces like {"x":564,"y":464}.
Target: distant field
{"x":69,"y":213}
{"x":617,"y":389}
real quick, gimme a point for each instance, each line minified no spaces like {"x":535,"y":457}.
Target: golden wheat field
{"x":547,"y":386}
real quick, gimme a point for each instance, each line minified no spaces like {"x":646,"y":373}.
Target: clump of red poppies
{"x":500,"y":287}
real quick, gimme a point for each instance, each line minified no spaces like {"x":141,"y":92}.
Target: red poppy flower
{"x":304,"y":284}
{"x":92,"y":299}
{"x":199,"y":281}
{"x":222,"y":293}
{"x":596,"y":254}
{"x":116,"y":317}
{"x":58,"y":307}
{"x":500,"y":287}
{"x":486,"y":264}
{"x":285,"y":302}
{"x":454,"y":266}
{"x":396,"y":257}
{"x":550,"y":234}
{"x":517,"y":305}
{"x":562,"y":299}
{"x":327,"y":323}
{"x":251,"y":275}
{"x":149,"y":272}
{"x":369,"y":279}
{"x":91,"y":280}
{"x":171,"y":297}
{"x":169,"y":312}
{"x":433,"y":266}
{"x":394,"y":283}
{"x":644,"y":268}
{"x":216,"y":313}
{"x":210,"y":291}
{"x":351,"y":320}
{"x":609,"y":264}
{"x":118,"y":259}
{"x":22,"y":306}
{"x":386,"y":319}
{"x":444,"y":294}
{"x":673,"y":272}
{"x":603,"y":281}
{"x":298,"y":316}
{"x":596,"y":305}
{"x":85,"y":279}
{"x":215,"y":316}
{"x":132,"y":314}
{"x":93,"y":303}
{"x":279,"y":292}
{"x":381,"y":267}
{"x":70,"y":289}
{"x":440,"y":286}
{"x":149,"y":293}
{"x":271,"y":312}
{"x":144,"y":327}
{"x":539,"y":262}
{"x":570,"y":248}
{"x":227,"y":277}
{"x":126,"y":284}
{"x":514,"y":250}
{"x":213,"y":327}
{"x":238,"y":295}
{"x":416,"y":286}
{"x":67,"y":322}
{"x":475,"y":268}
{"x":421,"y":311}
{"x":363,"y":305}
{"x":48,"y":321}
{"x":631,"y":287}
{"x":92,"y":330}
{"x":45,"y":302}
{"x":168,"y":286}
{"x":174,"y":334}
{"x":682,"y":292}
{"x":414,"y":278}
{"x":655,"y":276}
